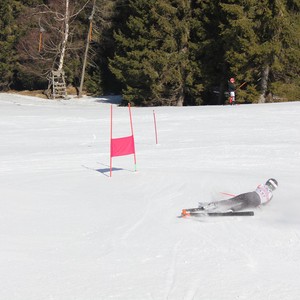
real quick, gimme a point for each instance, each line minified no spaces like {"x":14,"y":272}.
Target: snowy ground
{"x":68,"y":231}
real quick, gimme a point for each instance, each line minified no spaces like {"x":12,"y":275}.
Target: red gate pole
{"x":131,"y":126}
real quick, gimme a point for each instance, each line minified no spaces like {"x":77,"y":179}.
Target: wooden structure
{"x":56,"y":85}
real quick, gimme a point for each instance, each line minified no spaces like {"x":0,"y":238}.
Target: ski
{"x":197,"y":213}
{"x":193,"y":209}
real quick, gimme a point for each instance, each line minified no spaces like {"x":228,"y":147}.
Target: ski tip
{"x":184,"y":213}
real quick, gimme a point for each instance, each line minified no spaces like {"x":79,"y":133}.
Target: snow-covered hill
{"x":68,"y":231}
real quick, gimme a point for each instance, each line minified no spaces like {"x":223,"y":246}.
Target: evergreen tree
{"x":113,"y":19}
{"x":99,"y":79}
{"x":152,"y":54}
{"x":261,"y":44}
{"x":285,"y":67}
{"x":9,"y":10}
{"x":208,"y":49}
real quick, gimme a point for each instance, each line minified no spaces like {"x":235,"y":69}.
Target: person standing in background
{"x":231,"y":90}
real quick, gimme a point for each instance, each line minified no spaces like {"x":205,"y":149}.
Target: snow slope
{"x":69,"y":231}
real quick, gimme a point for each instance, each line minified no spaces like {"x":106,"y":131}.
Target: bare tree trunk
{"x":86,"y":50}
{"x":264,"y":83}
{"x":179,"y":97}
{"x":65,"y":37}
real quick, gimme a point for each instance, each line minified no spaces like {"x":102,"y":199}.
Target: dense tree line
{"x":155,"y":52}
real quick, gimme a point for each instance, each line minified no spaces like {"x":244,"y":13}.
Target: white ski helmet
{"x":272,"y":184}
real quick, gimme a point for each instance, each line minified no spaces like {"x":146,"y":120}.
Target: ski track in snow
{"x":140,"y":220}
{"x":171,"y":273}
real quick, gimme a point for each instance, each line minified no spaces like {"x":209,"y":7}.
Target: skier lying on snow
{"x":262,"y":195}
